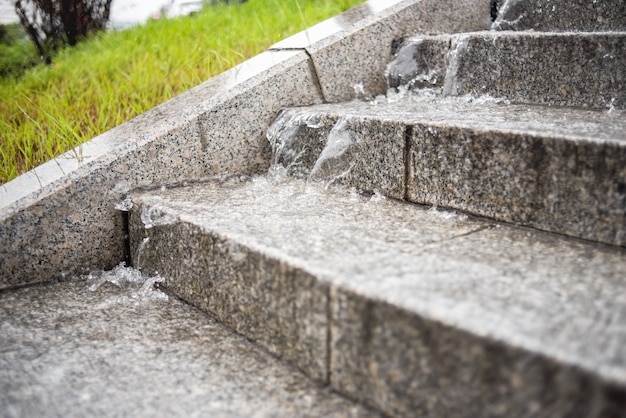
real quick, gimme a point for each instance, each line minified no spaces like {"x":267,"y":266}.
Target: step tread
{"x":485,"y":113}
{"x":69,"y":351}
{"x":537,"y":291}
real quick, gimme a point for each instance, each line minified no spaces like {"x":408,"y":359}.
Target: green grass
{"x":17,"y":52}
{"x":115,"y":76}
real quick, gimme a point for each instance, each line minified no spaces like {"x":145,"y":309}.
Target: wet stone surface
{"x":66,"y":350}
{"x":554,"y":15}
{"x":336,"y":47}
{"x":430,"y":311}
{"x":581,"y":69}
{"x":556,"y":169}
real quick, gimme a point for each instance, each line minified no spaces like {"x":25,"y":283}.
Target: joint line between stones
{"x":317,"y":81}
{"x":408,"y":133}
{"x":126,"y":225}
{"x":329,"y":325}
{"x":472,"y":232}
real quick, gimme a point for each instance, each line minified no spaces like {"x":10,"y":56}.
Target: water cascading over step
{"x":454,"y":247}
{"x":409,"y":308}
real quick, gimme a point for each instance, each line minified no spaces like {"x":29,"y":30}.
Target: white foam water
{"x":282,"y":136}
{"x":154,"y":216}
{"x":452,"y":84}
{"x":503,"y":20}
{"x":125,"y":205}
{"x":338,"y":157}
{"x":447,"y":214}
{"x":140,"y":288}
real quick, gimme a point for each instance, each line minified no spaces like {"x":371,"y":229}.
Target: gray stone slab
{"x":552,"y":15}
{"x":61,"y":216}
{"x":220,"y":248}
{"x":501,"y":322}
{"x":560,"y":170}
{"x":431,"y":312}
{"x":71,"y":352}
{"x":350,"y":52}
{"x":567,"y":69}
{"x":274,"y":304}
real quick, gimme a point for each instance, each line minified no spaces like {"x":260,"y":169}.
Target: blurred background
{"x":125,"y":13}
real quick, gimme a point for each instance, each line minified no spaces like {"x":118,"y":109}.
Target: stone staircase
{"x":453,"y":247}
{"x":511,"y":301}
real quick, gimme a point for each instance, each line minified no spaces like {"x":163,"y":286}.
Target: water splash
{"x":338,"y":157}
{"x":288,"y":150}
{"x":510,"y":13}
{"x":139,"y":252}
{"x":119,"y":276}
{"x":447,"y":215}
{"x":305,"y":146}
{"x":613,"y":108}
{"x":377,"y":197}
{"x":154,"y":216}
{"x":360,"y":93}
{"x":141,"y":289}
{"x":125,"y":205}
{"x":415,"y":65}
{"x":452,"y":84}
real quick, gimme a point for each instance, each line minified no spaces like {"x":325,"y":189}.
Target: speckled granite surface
{"x":456,"y":329}
{"x":556,"y":69}
{"x":69,"y":352}
{"x":350,"y":53}
{"x":249,"y":284}
{"x":566,"y":69}
{"x":553,"y":15}
{"x":429,"y":311}
{"x":560,"y":170}
{"x":61,"y":217}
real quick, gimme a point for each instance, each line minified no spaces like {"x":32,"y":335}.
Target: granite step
{"x":561,"y":170}
{"x":69,"y":350}
{"x":414,"y":311}
{"x":582,"y":69}
{"x":553,"y":15}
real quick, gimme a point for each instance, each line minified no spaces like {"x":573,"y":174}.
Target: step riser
{"x":564,"y":70}
{"x":579,"y":70}
{"x":268,"y":301}
{"x":407,"y":366}
{"x":577,"y":188}
{"x":572,"y":188}
{"x":373,"y":161}
{"x":552,"y":15}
